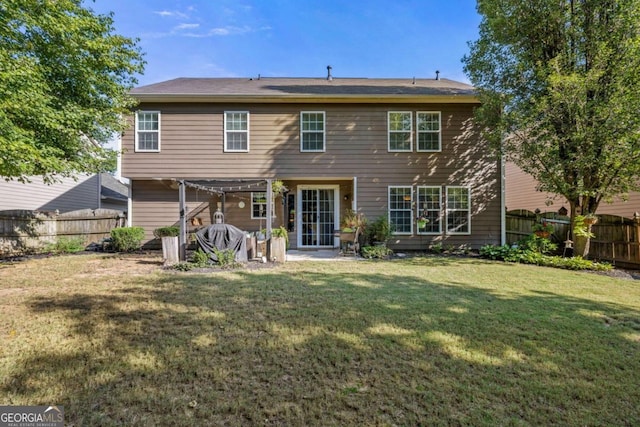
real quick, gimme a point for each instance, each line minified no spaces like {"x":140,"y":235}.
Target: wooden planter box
{"x":170,"y":250}
{"x":278,"y":249}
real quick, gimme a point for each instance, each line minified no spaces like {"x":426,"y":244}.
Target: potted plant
{"x":279,"y":244}
{"x":589,"y":219}
{"x":422,"y":222}
{"x":543,"y":229}
{"x":351,"y":221}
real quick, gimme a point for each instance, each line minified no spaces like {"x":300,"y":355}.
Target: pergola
{"x":221,"y":187}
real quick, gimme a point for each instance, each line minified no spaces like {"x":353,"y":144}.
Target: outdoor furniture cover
{"x":223,"y":236}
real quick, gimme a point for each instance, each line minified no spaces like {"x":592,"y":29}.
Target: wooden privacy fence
{"x":520,"y":224}
{"x":31,"y":231}
{"x":617,"y":238}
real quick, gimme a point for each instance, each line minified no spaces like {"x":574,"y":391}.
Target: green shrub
{"x":127,"y":239}
{"x":226,"y":257}
{"x":436,"y":248}
{"x":379,"y":230}
{"x":377,"y":251}
{"x":183,"y":266}
{"x":170,"y":231}
{"x":200,"y":258}
{"x":67,"y":245}
{"x":537,"y":244}
{"x":525,"y":255}
{"x":498,"y":253}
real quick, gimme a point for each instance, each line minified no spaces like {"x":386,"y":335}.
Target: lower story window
{"x":400,"y":211}
{"x":258,"y":205}
{"x":458,"y":210}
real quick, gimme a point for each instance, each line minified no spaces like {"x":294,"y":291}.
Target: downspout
{"x":354,"y":200}
{"x":130,"y":204}
{"x":503,"y":207}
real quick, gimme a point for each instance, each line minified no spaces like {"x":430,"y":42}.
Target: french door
{"x":318,"y":210}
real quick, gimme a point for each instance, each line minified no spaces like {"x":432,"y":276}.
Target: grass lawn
{"x":420,"y":341}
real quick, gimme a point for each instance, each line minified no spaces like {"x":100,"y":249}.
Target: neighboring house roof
{"x":270,"y":89}
{"x":113,"y":189}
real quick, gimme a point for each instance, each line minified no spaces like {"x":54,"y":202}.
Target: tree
{"x":64,"y":83}
{"x":559,"y":82}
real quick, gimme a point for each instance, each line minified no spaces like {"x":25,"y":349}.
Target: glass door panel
{"x":317,"y":217}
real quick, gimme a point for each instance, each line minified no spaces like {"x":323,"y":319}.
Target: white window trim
{"x":395,"y":131}
{"x":265,"y":205}
{"x":324,"y":132}
{"x":410,"y":187}
{"x":224,"y":120}
{"x":418,"y":132}
{"x":136,"y":149}
{"x":446,"y":219}
{"x":419,"y":210}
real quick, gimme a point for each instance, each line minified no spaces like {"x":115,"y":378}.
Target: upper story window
{"x":236,"y":131}
{"x":458,"y":210}
{"x":400,"y":212}
{"x":428,"y":128}
{"x":428,"y":208}
{"x":312,"y":131}
{"x":400,"y":131}
{"x":147,"y":131}
{"x":258,"y":205}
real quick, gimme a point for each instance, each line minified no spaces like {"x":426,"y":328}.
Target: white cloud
{"x":186,"y":26}
{"x":172,"y":14}
{"x":230,"y":30}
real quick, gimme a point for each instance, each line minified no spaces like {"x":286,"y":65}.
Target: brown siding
{"x":521,"y":193}
{"x":356,"y":146}
{"x":192,"y":142}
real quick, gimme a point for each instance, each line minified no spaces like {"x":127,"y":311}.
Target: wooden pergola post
{"x":269,"y":217}
{"x":182,"y":238}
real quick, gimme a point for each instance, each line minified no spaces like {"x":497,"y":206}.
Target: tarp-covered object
{"x":223,"y":236}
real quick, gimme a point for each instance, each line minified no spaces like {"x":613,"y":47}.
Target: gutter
{"x":311,"y":99}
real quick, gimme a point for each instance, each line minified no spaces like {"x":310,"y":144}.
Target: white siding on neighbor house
{"x":65,"y":196}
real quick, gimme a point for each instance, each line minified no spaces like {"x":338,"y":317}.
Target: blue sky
{"x":297,"y":38}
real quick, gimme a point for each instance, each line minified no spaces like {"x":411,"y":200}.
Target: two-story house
{"x":404,"y":149}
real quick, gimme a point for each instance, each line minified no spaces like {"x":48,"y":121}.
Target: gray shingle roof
{"x":305,"y":87}
{"x":112,"y":188}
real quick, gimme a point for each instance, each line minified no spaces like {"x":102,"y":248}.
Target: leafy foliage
{"x":127,"y":239}
{"x":379,"y":230}
{"x":184,"y":266}
{"x":226,"y":257}
{"x":376,"y":251}
{"x":200,"y":258}
{"x":526,"y":255}
{"x":64,"y":83}
{"x":281,"y":232}
{"x":67,"y":245}
{"x":169,"y":231}
{"x":561,"y":80}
